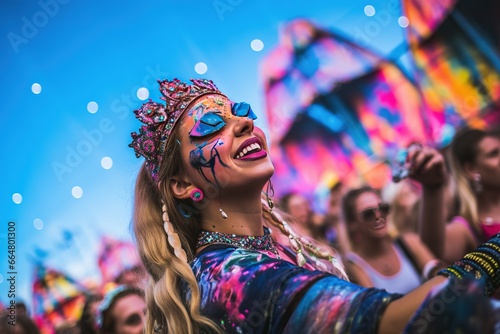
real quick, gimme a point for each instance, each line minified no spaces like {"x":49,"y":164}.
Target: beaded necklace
{"x":259,"y":243}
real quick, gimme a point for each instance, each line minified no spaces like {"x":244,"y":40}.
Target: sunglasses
{"x":369,"y":215}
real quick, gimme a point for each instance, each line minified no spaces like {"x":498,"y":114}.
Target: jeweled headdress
{"x":160,"y":119}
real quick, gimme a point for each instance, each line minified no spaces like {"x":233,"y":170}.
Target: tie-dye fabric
{"x":247,"y":291}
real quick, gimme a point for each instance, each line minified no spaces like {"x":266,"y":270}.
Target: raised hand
{"x":427,"y":166}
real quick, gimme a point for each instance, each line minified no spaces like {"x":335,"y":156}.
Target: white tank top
{"x":403,"y":281}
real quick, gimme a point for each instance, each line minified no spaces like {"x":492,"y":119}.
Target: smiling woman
{"x":200,"y":224}
{"x":376,"y":259}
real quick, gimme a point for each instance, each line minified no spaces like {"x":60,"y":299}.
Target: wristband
{"x":482,"y":264}
{"x":429,"y":267}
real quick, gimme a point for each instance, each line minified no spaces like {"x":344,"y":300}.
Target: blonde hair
{"x":465,"y":193}
{"x":168,"y":305}
{"x":463,"y":150}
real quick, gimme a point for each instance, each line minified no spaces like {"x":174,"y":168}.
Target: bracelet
{"x":429,"y":267}
{"x":482,"y":264}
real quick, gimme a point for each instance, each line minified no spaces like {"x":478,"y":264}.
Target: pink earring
{"x":196,"y":195}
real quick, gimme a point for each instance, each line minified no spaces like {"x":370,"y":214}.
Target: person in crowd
{"x":324,"y":229}
{"x":122,"y":311}
{"x":199,"y":226}
{"x":336,"y":233}
{"x":377,"y":260}
{"x":20,"y":324}
{"x":403,"y":197}
{"x":67,"y":327}
{"x":474,"y":159}
{"x":298,"y":207}
{"x":21,"y":308}
{"x":87,"y":322}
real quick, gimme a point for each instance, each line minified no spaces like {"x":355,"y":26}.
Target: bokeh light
{"x":92,"y":107}
{"x":106,"y":162}
{"x":201,"y":68}
{"x":38,"y":223}
{"x":142,"y":93}
{"x":369,"y":10}
{"x":403,"y":22}
{"x":77,"y":192}
{"x":36,"y":88}
{"x":257,"y":45}
{"x":17,"y":198}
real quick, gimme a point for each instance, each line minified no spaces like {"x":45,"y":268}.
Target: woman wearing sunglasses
{"x":377,"y":260}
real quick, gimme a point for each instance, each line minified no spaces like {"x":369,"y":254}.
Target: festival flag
{"x":57,"y":298}
{"x":425,"y":17}
{"x":457,"y":62}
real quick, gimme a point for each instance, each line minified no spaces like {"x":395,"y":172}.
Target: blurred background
{"x":339,"y":87}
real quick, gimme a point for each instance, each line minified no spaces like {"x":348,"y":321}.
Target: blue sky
{"x":90,"y":58}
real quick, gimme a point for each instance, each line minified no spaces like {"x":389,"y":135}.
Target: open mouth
{"x":251,"y":149}
{"x":379,"y":224}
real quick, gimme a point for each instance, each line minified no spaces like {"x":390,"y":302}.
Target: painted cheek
{"x":205,"y":158}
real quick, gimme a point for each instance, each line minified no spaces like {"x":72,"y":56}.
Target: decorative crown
{"x":161,"y":119}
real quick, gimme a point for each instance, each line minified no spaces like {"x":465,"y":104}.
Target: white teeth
{"x":248,"y":149}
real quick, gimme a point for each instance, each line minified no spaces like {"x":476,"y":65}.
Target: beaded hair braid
{"x":300,"y":244}
{"x":172,"y":236}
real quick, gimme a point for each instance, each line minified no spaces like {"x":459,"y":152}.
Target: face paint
{"x":243,"y":109}
{"x":198,"y":160}
{"x":208,"y":123}
{"x":210,"y":117}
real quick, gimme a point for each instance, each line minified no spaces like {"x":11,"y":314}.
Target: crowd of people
{"x":221,"y":256}
{"x":117,"y":308}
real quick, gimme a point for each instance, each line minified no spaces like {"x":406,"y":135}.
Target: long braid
{"x":172,"y":296}
{"x":300,"y":245}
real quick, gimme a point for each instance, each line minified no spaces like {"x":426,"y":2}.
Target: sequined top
{"x":250,"y":291}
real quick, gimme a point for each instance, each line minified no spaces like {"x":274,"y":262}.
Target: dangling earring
{"x":478,"y":187}
{"x":196,"y":195}
{"x":222,"y":213}
{"x":269,"y":194}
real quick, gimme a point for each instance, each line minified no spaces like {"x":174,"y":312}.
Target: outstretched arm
{"x":399,"y":312}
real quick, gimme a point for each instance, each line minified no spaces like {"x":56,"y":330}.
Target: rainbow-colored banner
{"x":57,"y":298}
{"x":458,"y":69}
